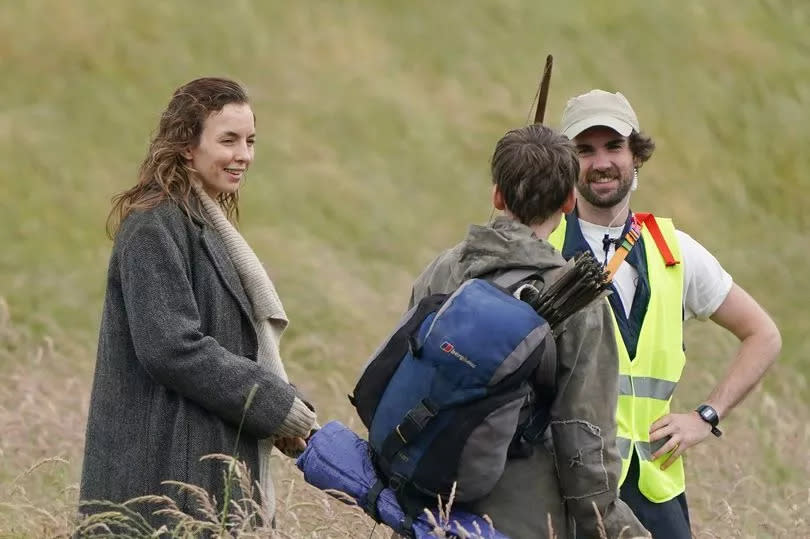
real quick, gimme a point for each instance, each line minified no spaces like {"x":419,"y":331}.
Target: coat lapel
{"x":219,"y":257}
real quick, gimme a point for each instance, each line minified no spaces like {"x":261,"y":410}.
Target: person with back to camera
{"x":574,"y":471}
{"x":191,"y":321}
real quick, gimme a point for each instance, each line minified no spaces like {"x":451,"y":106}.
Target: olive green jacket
{"x":578,"y":464}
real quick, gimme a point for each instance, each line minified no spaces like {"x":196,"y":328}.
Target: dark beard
{"x":608,"y":200}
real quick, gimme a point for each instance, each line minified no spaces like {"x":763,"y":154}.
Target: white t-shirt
{"x":705,"y":283}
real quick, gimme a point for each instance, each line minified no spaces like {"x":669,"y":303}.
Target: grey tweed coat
{"x":176,"y":362}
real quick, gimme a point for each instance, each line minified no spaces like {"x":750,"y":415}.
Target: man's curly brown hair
{"x":642,"y":146}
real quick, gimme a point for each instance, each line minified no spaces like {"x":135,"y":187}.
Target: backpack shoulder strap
{"x":511,"y":277}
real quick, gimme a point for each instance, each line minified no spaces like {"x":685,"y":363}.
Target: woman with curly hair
{"x":191,"y":321}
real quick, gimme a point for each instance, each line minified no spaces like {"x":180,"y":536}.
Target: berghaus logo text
{"x":448,"y":348}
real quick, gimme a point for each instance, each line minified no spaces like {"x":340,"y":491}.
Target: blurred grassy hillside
{"x":376,"y":121}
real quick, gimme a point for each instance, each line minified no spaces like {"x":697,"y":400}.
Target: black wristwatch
{"x":709,"y":415}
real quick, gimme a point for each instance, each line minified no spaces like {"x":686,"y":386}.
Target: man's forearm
{"x":760,"y":344}
{"x":755,"y":354}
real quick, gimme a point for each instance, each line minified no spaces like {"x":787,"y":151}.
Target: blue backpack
{"x":465,"y":381}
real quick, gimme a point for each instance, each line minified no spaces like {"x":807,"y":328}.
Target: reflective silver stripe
{"x":625,"y":385}
{"x":654,"y":388}
{"x":646,"y":449}
{"x":623,"y":444}
{"x":651,"y":388}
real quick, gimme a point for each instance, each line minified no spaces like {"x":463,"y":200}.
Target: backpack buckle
{"x":399,"y":433}
{"x":416,"y":419}
{"x":396,"y":482}
{"x":411,"y":425}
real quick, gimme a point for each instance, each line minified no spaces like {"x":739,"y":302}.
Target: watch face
{"x":708,"y":414}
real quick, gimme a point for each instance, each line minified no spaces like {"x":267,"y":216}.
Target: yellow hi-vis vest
{"x":646,"y":384}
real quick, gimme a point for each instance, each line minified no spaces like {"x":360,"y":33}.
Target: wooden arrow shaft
{"x":542,"y":96}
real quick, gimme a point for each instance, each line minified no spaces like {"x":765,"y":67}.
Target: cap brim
{"x":622,"y":128}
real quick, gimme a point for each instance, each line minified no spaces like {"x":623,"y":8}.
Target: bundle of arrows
{"x":580,"y":282}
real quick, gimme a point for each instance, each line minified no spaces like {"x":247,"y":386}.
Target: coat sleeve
{"x":583,"y":424}
{"x":164,"y":324}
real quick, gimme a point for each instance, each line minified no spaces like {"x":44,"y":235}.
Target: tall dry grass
{"x":42,"y":421}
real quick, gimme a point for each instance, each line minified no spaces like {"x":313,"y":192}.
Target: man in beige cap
{"x":666,"y":278}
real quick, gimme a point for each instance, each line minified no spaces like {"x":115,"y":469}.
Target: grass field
{"x":376,"y":121}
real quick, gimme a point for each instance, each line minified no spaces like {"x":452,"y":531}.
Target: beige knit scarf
{"x":269,"y":320}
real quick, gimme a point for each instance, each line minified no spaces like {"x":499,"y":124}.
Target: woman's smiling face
{"x":225,"y":149}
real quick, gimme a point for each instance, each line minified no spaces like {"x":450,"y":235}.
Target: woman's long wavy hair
{"x":164,"y":172}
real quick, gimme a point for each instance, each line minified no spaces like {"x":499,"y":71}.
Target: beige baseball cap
{"x":598,"y":107}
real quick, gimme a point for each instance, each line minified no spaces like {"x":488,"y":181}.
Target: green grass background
{"x":376,"y":121}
